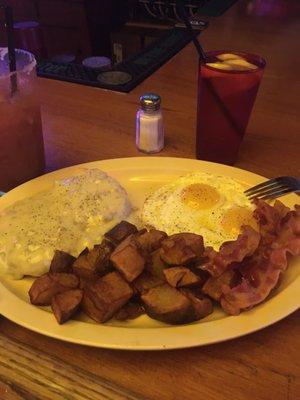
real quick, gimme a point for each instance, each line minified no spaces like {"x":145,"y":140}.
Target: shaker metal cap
{"x":150,"y":102}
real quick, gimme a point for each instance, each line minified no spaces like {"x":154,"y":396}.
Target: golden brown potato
{"x":146,"y":281}
{"x":202,"y":305}
{"x":61,"y":262}
{"x":120,"y":232}
{"x":181,"y":248}
{"x":106,"y":296}
{"x":65,"y":305}
{"x":168,"y":305}
{"x":127,"y":259}
{"x":93,"y":263}
{"x":180,"y":276}
{"x":129,"y":311}
{"x":155,"y":265}
{"x":47,"y":286}
{"x":151,"y":240}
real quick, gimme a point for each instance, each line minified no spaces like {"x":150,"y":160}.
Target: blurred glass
{"x":21,"y":137}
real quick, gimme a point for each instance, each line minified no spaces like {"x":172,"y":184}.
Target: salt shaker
{"x":149,"y":124}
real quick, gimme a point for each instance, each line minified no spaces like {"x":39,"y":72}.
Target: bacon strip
{"x":262,"y":273}
{"x":269,"y":218}
{"x":233,"y":251}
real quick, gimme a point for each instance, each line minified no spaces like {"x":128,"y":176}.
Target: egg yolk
{"x":235,"y":217}
{"x":200,"y":195}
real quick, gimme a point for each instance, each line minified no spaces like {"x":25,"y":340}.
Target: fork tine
{"x":261,"y":186}
{"x":267,"y":190}
{"x":279,"y":193}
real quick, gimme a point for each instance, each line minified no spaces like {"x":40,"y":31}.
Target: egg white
{"x":167,"y":210}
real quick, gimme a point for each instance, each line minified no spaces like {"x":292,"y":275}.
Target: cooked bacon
{"x":288,"y":231}
{"x":269,"y":218}
{"x":253,"y":290}
{"x":233,"y":251}
{"x":213,"y":287}
{"x":262,"y":272}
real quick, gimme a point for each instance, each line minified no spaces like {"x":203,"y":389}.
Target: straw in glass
{"x":9,"y":25}
{"x":203,"y":59}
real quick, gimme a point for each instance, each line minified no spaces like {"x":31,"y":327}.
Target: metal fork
{"x":274,"y":188}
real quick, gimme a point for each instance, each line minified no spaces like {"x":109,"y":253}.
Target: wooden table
{"x":83,"y":124}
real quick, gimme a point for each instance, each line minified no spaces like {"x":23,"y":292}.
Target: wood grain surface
{"x":84,"y":124}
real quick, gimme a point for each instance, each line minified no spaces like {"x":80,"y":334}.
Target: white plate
{"x":139,"y":176}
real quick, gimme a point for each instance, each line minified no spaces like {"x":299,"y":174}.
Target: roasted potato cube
{"x":168,"y":305}
{"x":47,"y":286}
{"x":180,"y":276}
{"x":151,"y":240}
{"x":181,"y":248}
{"x":146,"y":281}
{"x":202,"y":304}
{"x":104,"y":297}
{"x":93,"y":262}
{"x":155,"y":265}
{"x":65,"y":305}
{"x":127,"y":259}
{"x":129,"y":311}
{"x":61,"y":262}
{"x":120,"y":232}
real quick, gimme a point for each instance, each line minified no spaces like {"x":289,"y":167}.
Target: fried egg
{"x":212,"y":206}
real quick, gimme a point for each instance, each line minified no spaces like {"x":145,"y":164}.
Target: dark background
{"x":83,"y":28}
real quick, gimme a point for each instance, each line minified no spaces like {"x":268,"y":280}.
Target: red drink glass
{"x":225,"y":101}
{"x":28,"y":35}
{"x":21,"y":135}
